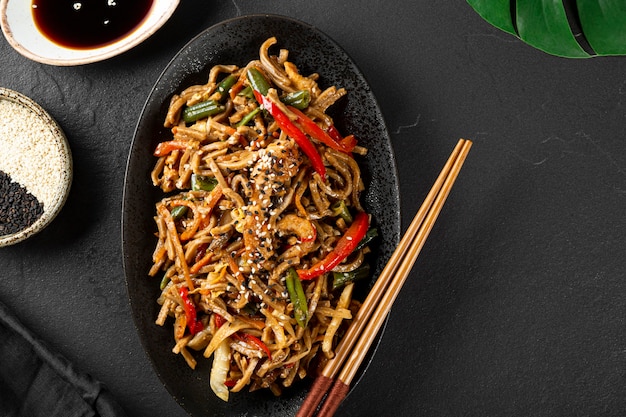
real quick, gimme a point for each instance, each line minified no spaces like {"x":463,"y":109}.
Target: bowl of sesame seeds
{"x":35,"y":168}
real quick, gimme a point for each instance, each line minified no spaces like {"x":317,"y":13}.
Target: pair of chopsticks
{"x":365,"y":326}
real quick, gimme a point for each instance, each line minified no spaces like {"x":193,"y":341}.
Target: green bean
{"x":340,"y":209}
{"x":164,"y":281}
{"x":297,"y":297}
{"x":248,"y":117}
{"x":247,"y":92}
{"x":201,"y":110}
{"x":298,"y":99}
{"x":342,"y":278}
{"x":202,"y":183}
{"x":258,"y":81}
{"x":178,"y":212}
{"x":225,"y":85}
{"x":369,"y":236}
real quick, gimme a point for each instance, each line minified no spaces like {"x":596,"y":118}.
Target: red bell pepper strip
{"x":219,"y":320}
{"x":334,"y":133}
{"x":256,"y":341}
{"x":345,"y":246}
{"x":293,"y":132}
{"x":166,"y":148}
{"x":248,"y":338}
{"x":194,"y":325}
{"x":310,"y":128}
{"x":349,"y":142}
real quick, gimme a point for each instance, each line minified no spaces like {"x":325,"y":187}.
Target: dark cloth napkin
{"x":36,"y":382}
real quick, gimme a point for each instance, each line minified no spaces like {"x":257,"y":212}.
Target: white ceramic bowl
{"x":22,"y":34}
{"x":36,"y":157}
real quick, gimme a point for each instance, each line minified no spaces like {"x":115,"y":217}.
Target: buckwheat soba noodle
{"x":261,"y":234}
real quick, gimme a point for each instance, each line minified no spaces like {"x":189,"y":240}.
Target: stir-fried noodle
{"x":258,"y":231}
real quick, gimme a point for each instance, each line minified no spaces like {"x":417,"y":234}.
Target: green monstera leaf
{"x":566,"y":28}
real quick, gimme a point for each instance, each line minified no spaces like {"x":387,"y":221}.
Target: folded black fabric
{"x":36,"y":382}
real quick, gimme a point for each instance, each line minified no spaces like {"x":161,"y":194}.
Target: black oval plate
{"x":237,"y":41}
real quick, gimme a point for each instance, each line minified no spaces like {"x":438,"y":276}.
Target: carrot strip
{"x":195,"y":268}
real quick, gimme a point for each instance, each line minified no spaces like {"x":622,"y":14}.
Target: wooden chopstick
{"x":376,"y":306}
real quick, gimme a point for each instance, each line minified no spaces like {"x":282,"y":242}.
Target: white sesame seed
{"x":31,"y":153}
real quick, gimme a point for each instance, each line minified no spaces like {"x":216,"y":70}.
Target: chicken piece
{"x":270,"y":179}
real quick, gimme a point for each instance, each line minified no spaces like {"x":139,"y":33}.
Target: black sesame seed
{"x":18,"y":208}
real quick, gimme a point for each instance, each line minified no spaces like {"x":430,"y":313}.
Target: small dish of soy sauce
{"x":76,"y":32}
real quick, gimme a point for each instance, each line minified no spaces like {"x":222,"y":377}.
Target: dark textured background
{"x":517,"y":303}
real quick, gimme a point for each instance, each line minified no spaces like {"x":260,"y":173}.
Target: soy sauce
{"x":85,"y":24}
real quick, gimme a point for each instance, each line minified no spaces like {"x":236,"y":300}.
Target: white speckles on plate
{"x":35,"y":155}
